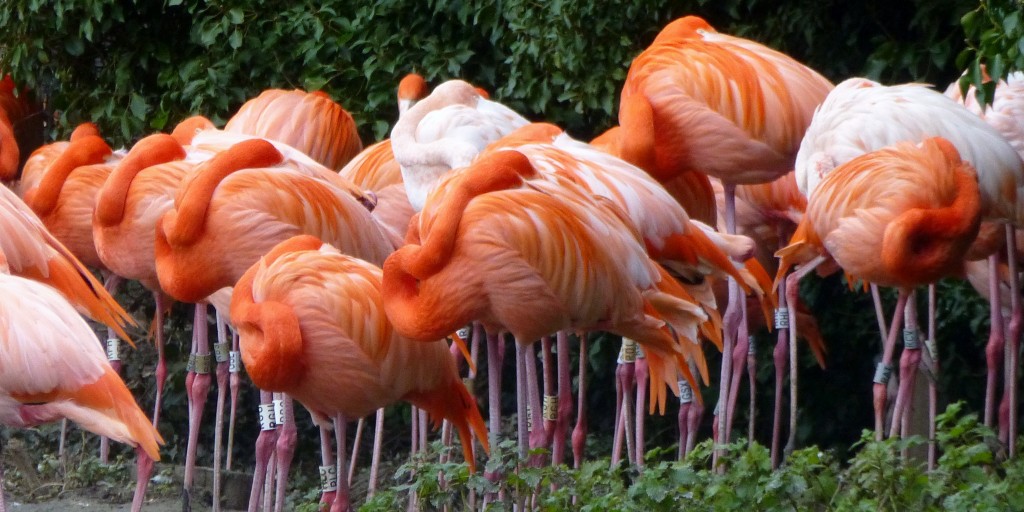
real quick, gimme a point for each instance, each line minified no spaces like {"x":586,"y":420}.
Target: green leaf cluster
{"x":995,"y":43}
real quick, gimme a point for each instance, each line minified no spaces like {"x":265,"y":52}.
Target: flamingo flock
{"x":356,"y":278}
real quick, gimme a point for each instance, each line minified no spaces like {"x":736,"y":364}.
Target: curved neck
{"x":412,"y":309}
{"x":196,"y":197}
{"x":636,"y":135}
{"x":500,"y":170}
{"x":86,"y":150}
{"x":150,"y":151}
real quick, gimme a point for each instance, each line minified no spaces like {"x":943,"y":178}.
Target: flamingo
{"x":688,"y":249}
{"x":309,"y":121}
{"x":861,"y":115}
{"x":562,"y":259}
{"x":237,"y":207}
{"x":445,"y":131}
{"x":53,"y":369}
{"x":900,"y":216}
{"x":320,"y":312}
{"x":1006,"y":115}
{"x":698,"y":100}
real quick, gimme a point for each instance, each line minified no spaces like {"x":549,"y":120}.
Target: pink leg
{"x":522,"y":412}
{"x":686,"y":403}
{"x":494,"y":347}
{"x":221,"y":351}
{"x":792,"y":291}
{"x":537,"y":434}
{"x":284,"y":452}
{"x":909,"y":361}
{"x":996,"y":343}
{"x":781,"y":358}
{"x":328,"y":470}
{"x":378,"y":437}
{"x":342,"y":502}
{"x":1008,"y":406}
{"x":144,"y":469}
{"x":264,"y":448}
{"x":234,"y":368}
{"x":197,"y":396}
{"x":730,"y":321}
{"x":739,"y":359}
{"x":579,"y":432}
{"x":161,"y":362}
{"x":884,"y":370}
{"x":642,"y":377}
{"x":933,"y":394}
{"x":110,"y":283}
{"x":414,"y":419}
{"x":625,"y":379}
{"x":564,"y":399}
{"x":355,"y":450}
{"x":693,"y":417}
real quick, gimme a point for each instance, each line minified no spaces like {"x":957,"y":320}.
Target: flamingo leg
{"x":161,"y":361}
{"x":197,"y":397}
{"x":884,"y":369}
{"x":355,"y":451}
{"x":378,"y":437}
{"x":221,"y":349}
{"x":544,"y":430}
{"x":564,"y":398}
{"x":740,"y":353}
{"x":625,"y":375}
{"x":1008,"y":407}
{"x":284,"y":451}
{"x":693,"y":416}
{"x":328,"y":469}
{"x":494,"y":395}
{"x":265,"y":443}
{"x":522,"y":407}
{"x":342,"y":501}
{"x":781,"y":357}
{"x":792,"y":291}
{"x":110,"y":283}
{"x":234,"y":380}
{"x":579,"y":432}
{"x":143,"y":470}
{"x":642,"y":376}
{"x":721,"y":412}
{"x":996,"y":342}
{"x":909,"y":361}
{"x":414,"y":419}
{"x":933,"y":377}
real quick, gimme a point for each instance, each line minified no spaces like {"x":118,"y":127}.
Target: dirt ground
{"x":82,"y":501}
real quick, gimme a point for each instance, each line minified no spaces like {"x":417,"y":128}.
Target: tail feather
{"x":454,"y":403}
{"x":106,"y":407}
{"x":764,"y":288}
{"x":696,"y":248}
{"x":807,"y":326}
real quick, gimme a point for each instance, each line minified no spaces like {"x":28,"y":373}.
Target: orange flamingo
{"x":312,"y":322}
{"x":247,"y":199}
{"x":861,"y":115}
{"x":688,"y":249}
{"x":900,"y":216}
{"x":700,"y":101}
{"x":590,"y":271}
{"x":54,"y":369}
{"x":310,"y":122}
